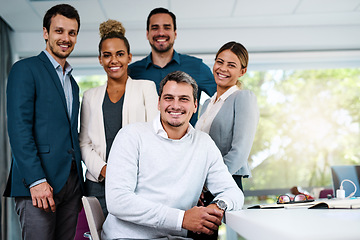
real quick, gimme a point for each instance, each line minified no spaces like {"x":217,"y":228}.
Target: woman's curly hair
{"x":112,"y":29}
{"x":111,"y":26}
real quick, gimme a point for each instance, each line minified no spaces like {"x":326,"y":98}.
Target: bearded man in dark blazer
{"x":42,"y":109}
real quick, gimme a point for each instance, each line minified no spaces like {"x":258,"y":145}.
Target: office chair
{"x":94,"y":216}
{"x":325,"y":192}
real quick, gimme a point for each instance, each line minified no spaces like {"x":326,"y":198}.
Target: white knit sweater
{"x":151,"y":180}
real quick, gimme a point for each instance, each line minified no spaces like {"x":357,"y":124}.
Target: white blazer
{"x":140,"y":105}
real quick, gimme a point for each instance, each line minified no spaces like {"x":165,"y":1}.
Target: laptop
{"x":350,"y":172}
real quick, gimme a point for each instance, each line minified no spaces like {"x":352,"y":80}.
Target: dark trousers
{"x":59,"y":225}
{"x":97,"y":189}
{"x":208,"y":197}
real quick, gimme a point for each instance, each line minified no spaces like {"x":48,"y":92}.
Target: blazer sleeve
{"x":245,"y":123}
{"x":21,"y":97}
{"x":220,"y":182}
{"x":93,"y":161}
{"x":151,"y":99}
{"x":204,"y":106}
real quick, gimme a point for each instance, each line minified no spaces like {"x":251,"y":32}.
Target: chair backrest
{"x":325,"y":192}
{"x":94,"y":216}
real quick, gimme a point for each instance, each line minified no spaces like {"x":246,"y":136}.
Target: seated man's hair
{"x":179,"y":77}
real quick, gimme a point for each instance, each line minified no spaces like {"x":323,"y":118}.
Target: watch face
{"x":221,"y":204}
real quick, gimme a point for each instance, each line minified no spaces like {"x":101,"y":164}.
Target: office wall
{"x":9,"y":221}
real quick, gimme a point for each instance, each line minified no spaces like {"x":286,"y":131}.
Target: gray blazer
{"x":233,"y":130}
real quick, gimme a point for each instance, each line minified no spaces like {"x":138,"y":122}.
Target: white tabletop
{"x":289,"y":224}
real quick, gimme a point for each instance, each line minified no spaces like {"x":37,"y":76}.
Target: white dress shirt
{"x":205,"y":121}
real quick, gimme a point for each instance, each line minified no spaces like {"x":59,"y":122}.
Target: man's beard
{"x":176,"y":124}
{"x":162,"y":50}
{"x":59,"y":55}
{"x":173,"y":123}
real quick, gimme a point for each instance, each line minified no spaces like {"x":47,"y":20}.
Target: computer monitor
{"x":351,"y":172}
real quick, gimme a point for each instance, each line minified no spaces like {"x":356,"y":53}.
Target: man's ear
{"x":45,"y":34}
{"x":196,"y":105}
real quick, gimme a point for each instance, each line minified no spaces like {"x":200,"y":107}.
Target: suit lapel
{"x":75,"y":103}
{"x":55,"y":78}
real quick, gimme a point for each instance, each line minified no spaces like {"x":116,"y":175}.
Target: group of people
{"x":159,"y":170}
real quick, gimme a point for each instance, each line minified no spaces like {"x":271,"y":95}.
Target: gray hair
{"x":179,"y":77}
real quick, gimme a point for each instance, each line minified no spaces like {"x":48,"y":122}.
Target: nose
{"x":222,"y":68}
{"x":176,"y":104}
{"x":161,"y":31}
{"x":66,"y":37}
{"x":114,"y":60}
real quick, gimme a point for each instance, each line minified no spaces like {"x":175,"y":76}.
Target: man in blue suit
{"x":42,"y":108}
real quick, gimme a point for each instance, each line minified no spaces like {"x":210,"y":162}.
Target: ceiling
{"x":270,"y":29}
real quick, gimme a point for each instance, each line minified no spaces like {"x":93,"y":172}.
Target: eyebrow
{"x":227,"y":62}
{"x":157,"y":25}
{"x":116,"y":51}
{"x":62,"y":28}
{"x":179,"y":96}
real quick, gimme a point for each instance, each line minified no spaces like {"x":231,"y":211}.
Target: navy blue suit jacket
{"x":44,"y":140}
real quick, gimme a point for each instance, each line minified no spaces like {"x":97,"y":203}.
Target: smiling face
{"x":61,"y":37}
{"x":114,"y":58}
{"x":176,"y":105}
{"x":161,"y":33}
{"x":227,"y":69}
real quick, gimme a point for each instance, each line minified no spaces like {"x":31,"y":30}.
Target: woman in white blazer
{"x":108,"y":108}
{"x":231,"y":116}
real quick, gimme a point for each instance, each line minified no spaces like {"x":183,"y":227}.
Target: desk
{"x":295,"y":223}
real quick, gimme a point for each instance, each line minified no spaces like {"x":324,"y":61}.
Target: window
{"x":309,"y":120}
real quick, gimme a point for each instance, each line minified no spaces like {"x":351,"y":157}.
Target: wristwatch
{"x":221,"y":204}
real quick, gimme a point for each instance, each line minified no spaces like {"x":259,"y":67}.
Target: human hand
{"x":103,"y":171}
{"x":42,"y":197}
{"x":202,"y":219}
{"x":214,"y":206}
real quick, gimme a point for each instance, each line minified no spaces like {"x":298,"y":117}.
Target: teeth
{"x":221,"y":75}
{"x":64,"y":46}
{"x":161,"y":40}
{"x":115,"y":68}
{"x":172,"y":113}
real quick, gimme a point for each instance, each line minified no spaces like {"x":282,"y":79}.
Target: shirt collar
{"x":160,"y":131}
{"x":176,"y":58}
{"x":225,"y":95}
{"x":68,"y":68}
{"x":148,"y":60}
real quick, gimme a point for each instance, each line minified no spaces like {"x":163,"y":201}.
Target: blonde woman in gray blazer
{"x":231,"y":116}
{"x":108,"y":108}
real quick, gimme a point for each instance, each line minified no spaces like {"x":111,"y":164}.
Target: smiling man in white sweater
{"x":156,"y":172}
